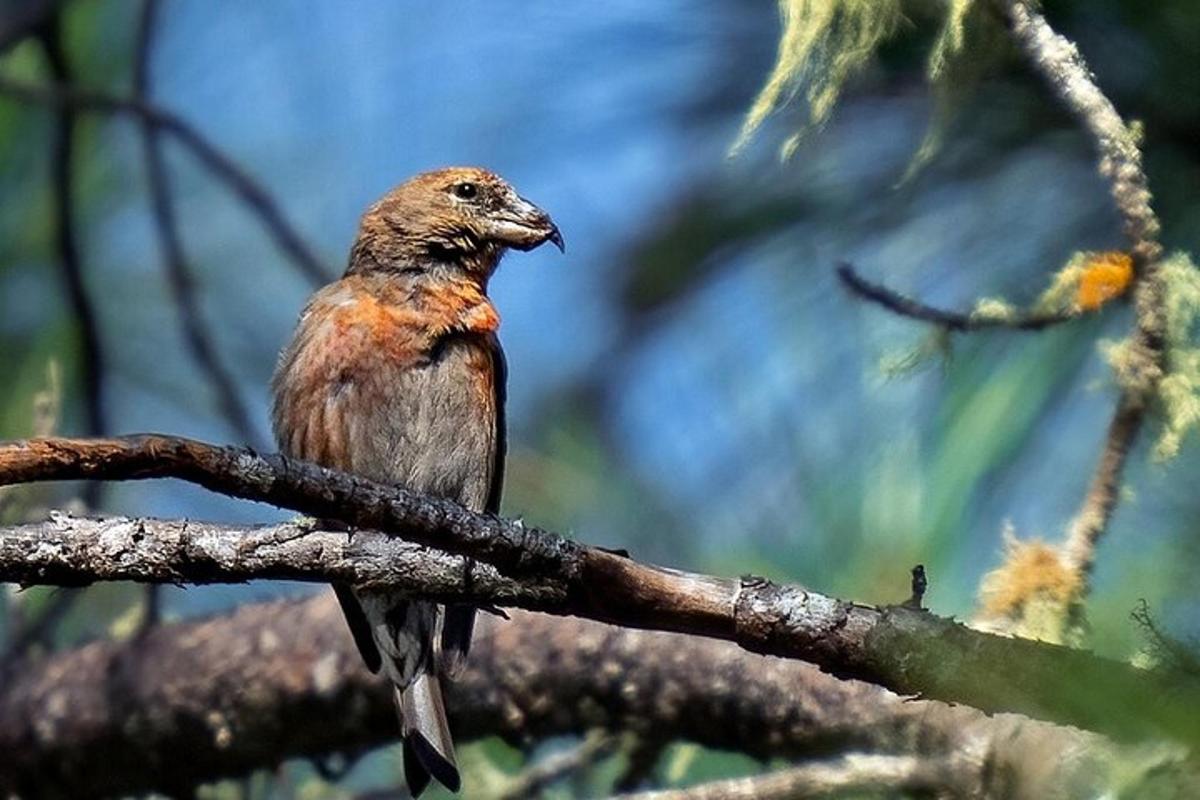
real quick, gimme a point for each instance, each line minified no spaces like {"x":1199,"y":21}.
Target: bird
{"x":395,"y":373}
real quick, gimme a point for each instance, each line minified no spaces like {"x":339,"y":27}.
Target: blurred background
{"x":689,"y":381}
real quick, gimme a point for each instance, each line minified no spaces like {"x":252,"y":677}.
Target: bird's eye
{"x":465,"y":191}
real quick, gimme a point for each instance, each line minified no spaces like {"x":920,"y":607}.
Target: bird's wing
{"x":500,"y":393}
{"x":312,"y":422}
{"x":459,"y":623}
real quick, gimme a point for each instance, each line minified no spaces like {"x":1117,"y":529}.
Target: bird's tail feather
{"x":458,"y":623}
{"x":428,"y":748}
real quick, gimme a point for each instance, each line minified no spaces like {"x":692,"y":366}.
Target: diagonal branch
{"x":557,"y":767}
{"x":904,"y":649}
{"x":222,"y":166}
{"x":906,"y":306}
{"x":920,"y":776}
{"x":179,"y":276}
{"x":118,"y":718}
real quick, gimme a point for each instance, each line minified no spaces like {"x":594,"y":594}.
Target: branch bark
{"x":904,"y":649}
{"x":193,"y":702}
{"x":1058,"y":61}
{"x":958,"y":321}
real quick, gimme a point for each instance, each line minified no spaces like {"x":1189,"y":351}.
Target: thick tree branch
{"x":219,"y":164}
{"x":907,"y":650}
{"x":193,"y":702}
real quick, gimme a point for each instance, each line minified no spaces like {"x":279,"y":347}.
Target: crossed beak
{"x":524,"y":226}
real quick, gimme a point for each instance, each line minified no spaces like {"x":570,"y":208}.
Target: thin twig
{"x":557,"y":767}
{"x":37,"y":632}
{"x":24,"y":20}
{"x":92,"y":355}
{"x":642,"y":757}
{"x":218,"y":163}
{"x":906,"y":306}
{"x":179,"y":276}
{"x":848,"y":774}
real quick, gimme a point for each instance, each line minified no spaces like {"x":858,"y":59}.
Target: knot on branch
{"x":768,"y":616}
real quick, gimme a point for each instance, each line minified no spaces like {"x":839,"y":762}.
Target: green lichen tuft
{"x":1179,"y":388}
{"x":993,"y":309}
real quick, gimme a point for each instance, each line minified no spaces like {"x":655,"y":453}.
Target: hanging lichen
{"x":824,"y":43}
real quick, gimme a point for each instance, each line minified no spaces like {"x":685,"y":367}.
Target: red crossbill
{"x":395,"y":373}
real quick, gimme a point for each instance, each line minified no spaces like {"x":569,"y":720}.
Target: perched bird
{"x":395,"y":373}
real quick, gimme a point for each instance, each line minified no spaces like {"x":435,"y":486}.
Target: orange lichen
{"x":1105,"y":276}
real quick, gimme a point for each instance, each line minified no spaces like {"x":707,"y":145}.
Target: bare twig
{"x":905,"y":306}
{"x":920,"y":583}
{"x":643,"y":756}
{"x":40,"y":631}
{"x":179,"y":276}
{"x":245,"y":187}
{"x":21,"y":21}
{"x":92,"y":356}
{"x":848,"y":774}
{"x":1059,"y":62}
{"x":121,"y":718}
{"x":557,"y":767}
{"x":910,"y":651}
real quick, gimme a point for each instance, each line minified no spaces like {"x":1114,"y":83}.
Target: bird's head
{"x":460,"y":218}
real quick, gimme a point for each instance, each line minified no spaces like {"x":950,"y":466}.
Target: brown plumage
{"x":395,"y":373}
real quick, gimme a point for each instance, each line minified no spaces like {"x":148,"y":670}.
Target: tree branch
{"x":905,"y":306}
{"x":161,"y":713}
{"x":530,"y":782}
{"x":904,"y":649}
{"x":63,"y":166}
{"x":1059,"y":62}
{"x":179,"y":276}
{"x":220,"y":165}
{"x":23,"y":21}
{"x":939,"y":776}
